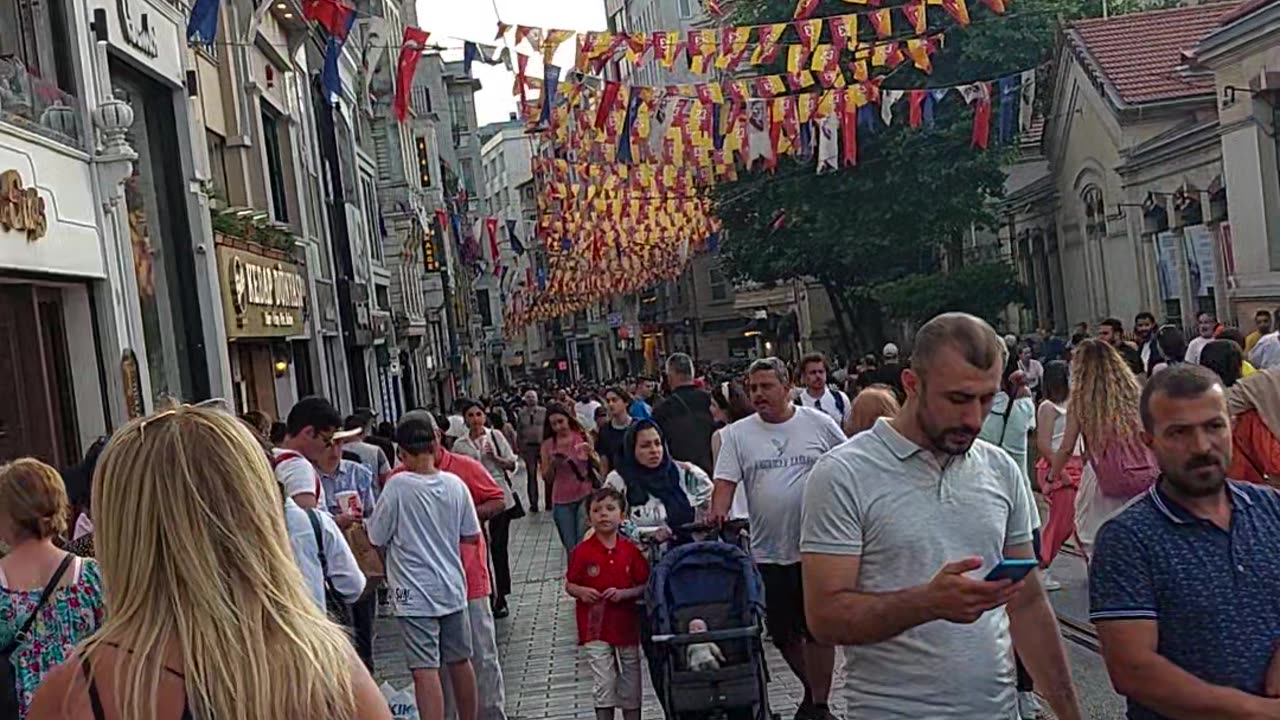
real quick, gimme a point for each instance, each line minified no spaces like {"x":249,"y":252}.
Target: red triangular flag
{"x":916,"y":117}
{"x":805,"y":8}
{"x":411,"y":47}
{"x":332,"y":15}
{"x":982,"y":117}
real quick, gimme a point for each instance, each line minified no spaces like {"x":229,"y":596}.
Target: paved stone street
{"x":546,"y":681}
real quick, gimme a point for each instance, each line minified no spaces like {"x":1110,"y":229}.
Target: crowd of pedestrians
{"x":247,"y":561}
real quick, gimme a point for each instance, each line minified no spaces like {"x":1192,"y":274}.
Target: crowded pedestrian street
{"x":547,"y":680}
{"x":640,"y":360}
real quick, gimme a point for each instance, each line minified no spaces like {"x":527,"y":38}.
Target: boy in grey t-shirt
{"x":421,"y":518}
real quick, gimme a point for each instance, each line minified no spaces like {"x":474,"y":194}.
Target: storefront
{"x":160,"y":226}
{"x":50,"y":258}
{"x":264,"y":300}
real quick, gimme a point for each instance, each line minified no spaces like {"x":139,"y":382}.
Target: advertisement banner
{"x":1197,"y":245}
{"x":1167,"y":264}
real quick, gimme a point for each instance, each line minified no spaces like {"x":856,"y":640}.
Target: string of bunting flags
{"x":622,"y":169}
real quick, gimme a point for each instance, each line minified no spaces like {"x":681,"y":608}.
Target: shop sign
{"x":261,"y":296}
{"x":136,"y":29}
{"x":21,"y":209}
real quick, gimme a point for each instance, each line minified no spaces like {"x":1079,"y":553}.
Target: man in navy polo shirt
{"x":1184,"y":584}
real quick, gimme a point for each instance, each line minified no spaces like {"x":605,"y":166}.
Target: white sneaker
{"x":1049,"y":583}
{"x":1028,"y":706}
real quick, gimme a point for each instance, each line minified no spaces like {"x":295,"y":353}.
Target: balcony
{"x":38,"y":104}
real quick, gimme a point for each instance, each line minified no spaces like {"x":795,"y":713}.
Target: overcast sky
{"x":476,"y":20}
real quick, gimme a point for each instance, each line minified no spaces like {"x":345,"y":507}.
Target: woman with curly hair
{"x":1103,"y":412}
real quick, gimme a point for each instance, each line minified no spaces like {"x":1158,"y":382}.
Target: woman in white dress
{"x":1103,"y":410}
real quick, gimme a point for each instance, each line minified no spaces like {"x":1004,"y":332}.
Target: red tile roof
{"x":1244,"y":8}
{"x":1139,"y":53}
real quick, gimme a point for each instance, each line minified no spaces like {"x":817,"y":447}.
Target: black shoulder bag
{"x":339,"y":611}
{"x":8,"y":673}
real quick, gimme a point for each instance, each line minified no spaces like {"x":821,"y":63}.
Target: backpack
{"x":294,"y":455}
{"x":1125,"y":469}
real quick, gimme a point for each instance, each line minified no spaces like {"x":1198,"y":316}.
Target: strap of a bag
{"x":1008,"y":409}
{"x":44,"y":598}
{"x":315,"y":528}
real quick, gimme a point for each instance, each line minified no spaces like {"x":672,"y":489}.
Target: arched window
{"x":1095,"y":212}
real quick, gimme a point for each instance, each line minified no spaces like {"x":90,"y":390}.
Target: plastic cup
{"x":348,"y":501}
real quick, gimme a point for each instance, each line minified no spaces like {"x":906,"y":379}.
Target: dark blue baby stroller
{"x":717,"y":582}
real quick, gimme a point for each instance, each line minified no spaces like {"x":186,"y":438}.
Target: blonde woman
{"x":1102,"y":410}
{"x":207,"y":612}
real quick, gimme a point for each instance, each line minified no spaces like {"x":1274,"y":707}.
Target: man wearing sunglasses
{"x":313,"y":430}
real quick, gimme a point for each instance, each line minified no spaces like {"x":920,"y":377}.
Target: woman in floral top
{"x":33,"y":511}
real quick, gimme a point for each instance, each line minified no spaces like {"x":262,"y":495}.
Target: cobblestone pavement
{"x":546,"y":680}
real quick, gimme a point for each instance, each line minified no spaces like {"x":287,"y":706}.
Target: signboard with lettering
{"x":21,"y":209}
{"x":261,"y":296}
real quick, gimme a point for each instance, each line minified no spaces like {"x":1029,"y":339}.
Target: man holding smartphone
{"x":918,"y":492}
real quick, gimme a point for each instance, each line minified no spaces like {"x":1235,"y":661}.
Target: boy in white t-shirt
{"x":421,"y":517}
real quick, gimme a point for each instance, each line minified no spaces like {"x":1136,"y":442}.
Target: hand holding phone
{"x":956,"y":597}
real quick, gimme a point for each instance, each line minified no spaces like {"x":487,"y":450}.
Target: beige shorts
{"x":615,"y":675}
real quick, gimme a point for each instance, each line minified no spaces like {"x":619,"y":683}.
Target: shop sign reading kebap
{"x":262,"y":297}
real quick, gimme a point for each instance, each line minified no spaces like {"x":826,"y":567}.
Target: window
{"x":217,"y":147}
{"x":468,"y":177}
{"x":719,"y":288}
{"x":482,"y":306}
{"x":37,"y":73}
{"x":275,"y":166}
{"x":369,"y":198}
{"x":685,"y":8}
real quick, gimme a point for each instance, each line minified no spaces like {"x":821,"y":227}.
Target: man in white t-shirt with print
{"x":817,"y":394}
{"x":313,"y":431}
{"x":902,"y":523}
{"x":421,"y":518}
{"x":770,"y":453}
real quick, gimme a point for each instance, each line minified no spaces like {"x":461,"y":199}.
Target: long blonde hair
{"x":190,"y":534}
{"x":1104,"y":395}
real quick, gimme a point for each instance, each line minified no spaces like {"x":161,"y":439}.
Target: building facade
{"x":1241,"y":56}
{"x":1120,"y":206}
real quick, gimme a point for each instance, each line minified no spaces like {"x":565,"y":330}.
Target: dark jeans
{"x":499,"y":536}
{"x":364,"y":613}
{"x":530,"y":455}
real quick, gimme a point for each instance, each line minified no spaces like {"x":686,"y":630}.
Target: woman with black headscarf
{"x":662,"y":494}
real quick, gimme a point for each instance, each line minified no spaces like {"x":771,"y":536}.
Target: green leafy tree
{"x":878,"y":232}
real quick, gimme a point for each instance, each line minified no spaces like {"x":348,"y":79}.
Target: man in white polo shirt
{"x":770,"y":454}
{"x":884,"y":511}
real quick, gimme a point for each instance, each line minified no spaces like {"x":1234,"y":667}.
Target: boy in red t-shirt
{"x":606,"y":575}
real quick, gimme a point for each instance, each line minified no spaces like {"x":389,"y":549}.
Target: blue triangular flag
{"x":330,"y":77}
{"x":469,"y":52}
{"x":516,"y":246}
{"x":1010,"y":103}
{"x":550,"y":83}
{"x":624,"y":139}
{"x":202,"y":26}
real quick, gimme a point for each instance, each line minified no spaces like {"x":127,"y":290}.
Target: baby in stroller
{"x":704,"y":610}
{"x":702,"y":656}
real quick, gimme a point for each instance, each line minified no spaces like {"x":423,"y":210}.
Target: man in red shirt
{"x":606,"y":574}
{"x":488,"y":500}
